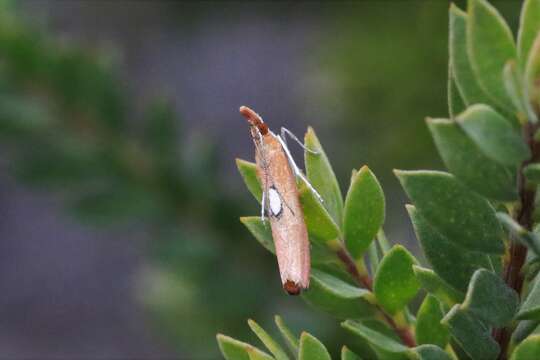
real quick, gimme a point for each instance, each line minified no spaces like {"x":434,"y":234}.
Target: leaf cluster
{"x":474,"y":222}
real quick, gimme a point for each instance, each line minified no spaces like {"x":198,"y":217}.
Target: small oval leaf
{"x":532,"y":74}
{"x":347,"y":354}
{"x":429,"y":352}
{"x":469,"y":164}
{"x":454,"y":211}
{"x":452,"y":263}
{"x":436,"y":286}
{"x":260,"y":230}
{"x":524,"y":329}
{"x":471,"y":334}
{"x":532,"y":173}
{"x":513,"y":82}
{"x":271,"y":344}
{"x":286,"y":334}
{"x":232,"y":349}
{"x":455,"y":102}
{"x":490,"y":299}
{"x":529,"y":26}
{"x":493,"y":134}
{"x":364,"y":212}
{"x":466,"y":80}
{"x":384,"y":346}
{"x":429,"y":329}
{"x":530,"y":309}
{"x":490,"y":45}
{"x":312,"y":349}
{"x":395,"y":284}
{"x":321,"y":227}
{"x":528,"y":349}
{"x":338,"y":298}
{"x":528,"y":238}
{"x":248,"y":171}
{"x":322,"y":177}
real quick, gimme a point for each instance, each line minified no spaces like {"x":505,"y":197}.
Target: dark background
{"x":112,"y":282}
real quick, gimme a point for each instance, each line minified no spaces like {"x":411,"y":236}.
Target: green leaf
{"x":452,"y":263}
{"x":429,"y":352}
{"x":532,"y":75}
{"x":232,"y":349}
{"x":471,"y":334}
{"x":529,"y":26}
{"x":321,"y":227}
{"x":312,"y":349}
{"x":257,"y":355}
{"x":532,"y":173}
{"x":248,"y":171}
{"x":364,"y":212}
{"x":373,"y":256}
{"x":320,"y":254}
{"x":362,"y":346}
{"x":383,"y":242}
{"x":322,"y":177}
{"x":395,"y":284}
{"x":493,"y":134}
{"x":261,"y":231}
{"x":384,"y":346}
{"x":271,"y":344}
{"x":429,"y":329}
{"x":342,"y":300}
{"x":490,"y":299}
{"x":469,"y":164}
{"x":490,"y":45}
{"x":524,"y":329}
{"x":527,"y":238}
{"x":457,"y":213}
{"x":455,"y":102}
{"x":465,"y":78}
{"x":530,"y":309}
{"x":433,"y":284}
{"x":347,"y":354}
{"x":513,"y":82}
{"x":286,"y":334}
{"x":528,"y":349}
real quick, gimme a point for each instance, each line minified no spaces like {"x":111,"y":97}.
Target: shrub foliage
{"x":476,"y":223}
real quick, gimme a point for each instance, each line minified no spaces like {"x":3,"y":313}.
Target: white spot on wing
{"x":275,"y":201}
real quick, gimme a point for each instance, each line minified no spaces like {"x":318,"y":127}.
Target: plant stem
{"x":404,"y":332}
{"x":517,"y":253}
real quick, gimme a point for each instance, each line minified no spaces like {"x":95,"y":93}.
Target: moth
{"x":277,"y":172}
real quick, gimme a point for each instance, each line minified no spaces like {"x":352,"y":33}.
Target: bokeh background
{"x":119,"y":196}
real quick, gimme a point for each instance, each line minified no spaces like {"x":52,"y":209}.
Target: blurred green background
{"x":119,"y":196}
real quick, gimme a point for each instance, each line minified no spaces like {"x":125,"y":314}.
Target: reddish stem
{"x":517,"y":253}
{"x":404,"y":333}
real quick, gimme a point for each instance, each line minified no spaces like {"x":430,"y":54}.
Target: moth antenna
{"x":285,"y":131}
{"x":296,"y":169}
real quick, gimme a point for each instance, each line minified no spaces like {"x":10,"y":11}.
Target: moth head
{"x":254,"y":120}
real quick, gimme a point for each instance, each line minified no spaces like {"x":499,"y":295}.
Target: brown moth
{"x":277,"y":173}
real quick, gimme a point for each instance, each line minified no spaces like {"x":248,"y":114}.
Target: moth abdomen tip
{"x":292,"y":288}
